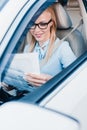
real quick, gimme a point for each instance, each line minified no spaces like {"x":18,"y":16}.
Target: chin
{"x":39,"y":39}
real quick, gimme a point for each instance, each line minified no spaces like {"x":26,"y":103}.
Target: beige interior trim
{"x":73,"y":3}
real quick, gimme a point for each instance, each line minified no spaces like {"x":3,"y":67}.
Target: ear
{"x":51,"y":23}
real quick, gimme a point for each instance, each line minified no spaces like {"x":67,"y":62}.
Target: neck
{"x":46,"y":38}
{"x":42,"y":43}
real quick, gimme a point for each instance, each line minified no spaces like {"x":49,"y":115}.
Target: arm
{"x":66,"y":54}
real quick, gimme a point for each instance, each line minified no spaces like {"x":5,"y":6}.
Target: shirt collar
{"x":41,"y":50}
{"x":45,"y":44}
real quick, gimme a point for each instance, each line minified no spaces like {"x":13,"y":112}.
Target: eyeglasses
{"x":41,"y":25}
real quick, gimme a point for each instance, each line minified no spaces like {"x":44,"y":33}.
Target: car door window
{"x":10,"y":76}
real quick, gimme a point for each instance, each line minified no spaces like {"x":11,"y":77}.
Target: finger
{"x":35,"y":80}
{"x":35,"y":84}
{"x":36,"y":76}
{"x":44,"y":77}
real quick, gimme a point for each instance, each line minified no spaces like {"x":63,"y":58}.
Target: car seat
{"x":64,"y":28}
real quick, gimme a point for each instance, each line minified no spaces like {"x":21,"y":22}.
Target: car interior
{"x":69,"y":27}
{"x":77,"y":11}
{"x":67,"y":31}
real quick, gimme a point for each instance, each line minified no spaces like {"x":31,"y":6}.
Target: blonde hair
{"x":52,"y":32}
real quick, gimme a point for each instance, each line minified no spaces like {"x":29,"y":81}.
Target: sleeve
{"x":66,"y":54}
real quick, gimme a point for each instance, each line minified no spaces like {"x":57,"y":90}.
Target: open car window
{"x":10,"y":76}
{"x":14,"y":77}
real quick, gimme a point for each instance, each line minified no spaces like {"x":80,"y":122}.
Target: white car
{"x":61,"y":102}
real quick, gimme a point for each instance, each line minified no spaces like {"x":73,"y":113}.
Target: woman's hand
{"x":37,"y":79}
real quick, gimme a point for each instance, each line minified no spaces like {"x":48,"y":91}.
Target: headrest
{"x":63,"y":19}
{"x":73,"y":4}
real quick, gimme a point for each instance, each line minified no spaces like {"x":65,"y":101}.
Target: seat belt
{"x":75,"y":27}
{"x":42,"y":62}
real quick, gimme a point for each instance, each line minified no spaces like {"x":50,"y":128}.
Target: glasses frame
{"x":33,"y":27}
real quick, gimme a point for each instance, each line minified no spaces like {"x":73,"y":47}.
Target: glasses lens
{"x":43,"y":25}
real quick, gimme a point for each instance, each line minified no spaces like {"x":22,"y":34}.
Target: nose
{"x":37,"y":28}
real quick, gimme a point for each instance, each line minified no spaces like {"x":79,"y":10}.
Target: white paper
{"x":26,"y":62}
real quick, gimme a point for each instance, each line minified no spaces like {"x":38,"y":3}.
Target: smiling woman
{"x":52,"y":52}
{"x":44,"y":43}
{"x":19,"y":15}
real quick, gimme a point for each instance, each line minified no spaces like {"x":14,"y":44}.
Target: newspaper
{"x":26,"y":62}
{"x":18,"y":66}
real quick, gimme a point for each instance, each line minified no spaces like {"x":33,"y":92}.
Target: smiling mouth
{"x":38,"y":35}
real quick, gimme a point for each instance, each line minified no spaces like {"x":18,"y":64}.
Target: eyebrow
{"x":41,"y":22}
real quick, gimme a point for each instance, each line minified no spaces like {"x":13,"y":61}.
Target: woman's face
{"x":41,"y":29}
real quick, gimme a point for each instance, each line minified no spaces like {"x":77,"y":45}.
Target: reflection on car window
{"x":3,"y":3}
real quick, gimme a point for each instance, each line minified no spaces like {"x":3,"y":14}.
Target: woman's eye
{"x":43,"y":24}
